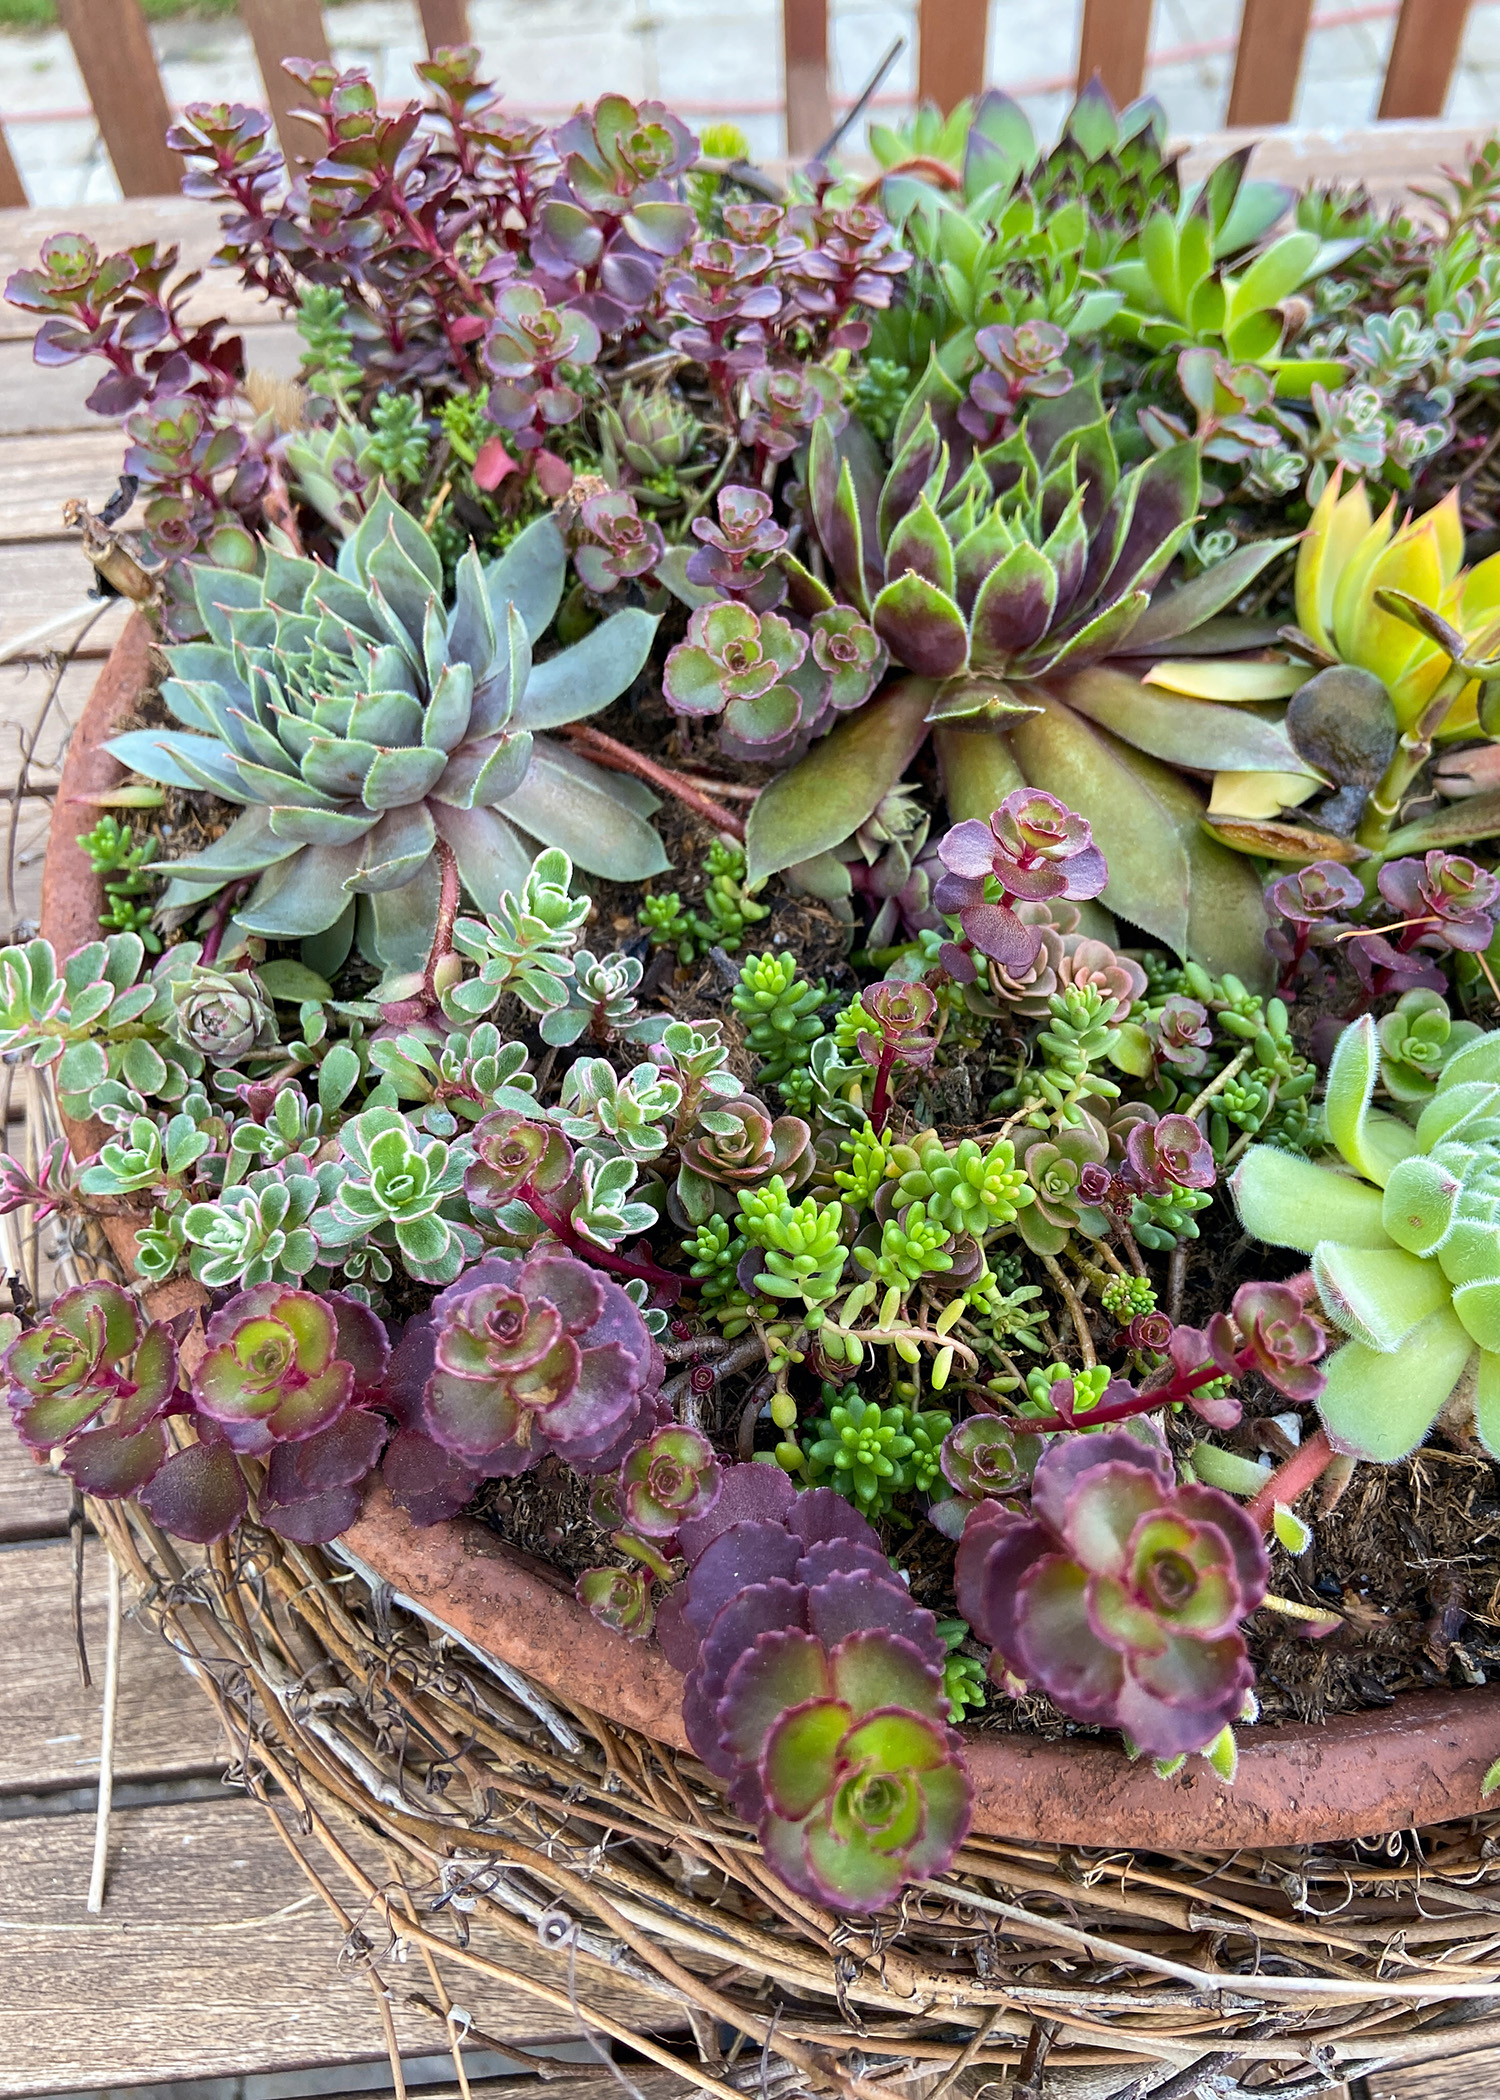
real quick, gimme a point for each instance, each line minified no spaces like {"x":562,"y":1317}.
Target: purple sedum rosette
{"x":1121,"y":1596}
{"x":539,"y":1356}
{"x":93,"y":1377}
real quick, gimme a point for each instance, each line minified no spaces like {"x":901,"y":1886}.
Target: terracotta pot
{"x":1419,"y":1761}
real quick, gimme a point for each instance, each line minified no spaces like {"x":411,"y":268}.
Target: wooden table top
{"x":212,"y":1956}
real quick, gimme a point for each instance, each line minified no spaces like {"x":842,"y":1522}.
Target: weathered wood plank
{"x":39,"y":581}
{"x":113,"y":48}
{"x":212,"y":1956}
{"x":36,"y":398}
{"x":1273,"y":37}
{"x":23,"y":706}
{"x":1386,"y":158}
{"x":49,"y":1724}
{"x":287,"y":29}
{"x":444,"y":22}
{"x":804,"y":45}
{"x":39,"y":473}
{"x":1113,"y":44}
{"x":33,"y":1501}
{"x":1452,"y":2077}
{"x":1424,"y":52}
{"x":192,"y":225}
{"x":951,"y":37}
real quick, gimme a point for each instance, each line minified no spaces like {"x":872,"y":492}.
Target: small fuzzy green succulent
{"x":1417,"y":1038}
{"x":1402,"y":1230}
{"x":358,"y":721}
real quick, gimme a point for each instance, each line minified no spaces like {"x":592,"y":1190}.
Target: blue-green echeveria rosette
{"x":1403,"y":1227}
{"x":358,"y":720}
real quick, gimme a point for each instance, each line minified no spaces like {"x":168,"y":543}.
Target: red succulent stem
{"x":880,"y":1104}
{"x":447,"y":913}
{"x":1180,"y":1386}
{"x":223,"y":912}
{"x":1294,"y":1477}
{"x":608,"y":751}
{"x":590,"y":1251}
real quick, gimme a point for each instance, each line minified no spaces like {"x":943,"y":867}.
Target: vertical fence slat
{"x":1273,"y":38}
{"x":951,"y":38}
{"x":444,"y":22}
{"x":118,"y":65}
{"x":804,"y":47}
{"x":286,"y":29}
{"x":1116,"y":36}
{"x":12,"y":188}
{"x":1424,"y":52}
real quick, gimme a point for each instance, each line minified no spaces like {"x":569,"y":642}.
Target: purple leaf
{"x":922,"y":627}
{"x":199,"y":1494}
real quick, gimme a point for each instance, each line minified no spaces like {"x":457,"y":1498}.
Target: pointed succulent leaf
{"x":922,"y":627}
{"x":576,"y":805}
{"x":1013,"y":607}
{"x":1196,"y":734}
{"x":920,"y":543}
{"x":585,"y":678}
{"x":824,"y":799}
{"x":178,"y":758}
{"x":529,"y":575}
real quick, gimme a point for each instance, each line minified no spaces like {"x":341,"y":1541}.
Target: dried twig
{"x":107,"y":1741}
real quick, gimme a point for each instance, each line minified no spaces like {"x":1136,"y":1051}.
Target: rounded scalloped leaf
{"x":198,"y":1495}
{"x":799,"y":1763}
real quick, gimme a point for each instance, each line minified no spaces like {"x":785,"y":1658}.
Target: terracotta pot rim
{"x":1419,"y":1761}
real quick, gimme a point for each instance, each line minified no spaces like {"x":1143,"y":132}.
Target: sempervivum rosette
{"x":815,"y":1688}
{"x":359,"y":721}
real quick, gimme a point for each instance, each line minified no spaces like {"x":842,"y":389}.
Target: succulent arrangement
{"x":1031,"y":883}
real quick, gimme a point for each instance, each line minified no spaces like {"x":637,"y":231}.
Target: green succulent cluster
{"x":870,"y":1454}
{"x":437,"y":1085}
{"x":802,"y":1244}
{"x":399,"y":1192}
{"x":727,"y":912}
{"x":781,"y":1016}
{"x":124,"y":868}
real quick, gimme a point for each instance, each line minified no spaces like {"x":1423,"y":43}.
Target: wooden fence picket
{"x":1268,"y":63}
{"x":286,"y":29}
{"x":1115,"y":37}
{"x":804,"y":45}
{"x":951,"y":40}
{"x":444,"y":22}
{"x":114,"y":54}
{"x":1424,"y":52}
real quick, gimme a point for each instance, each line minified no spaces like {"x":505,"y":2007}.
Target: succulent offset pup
{"x":360,"y":722}
{"x":1404,"y":1245}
